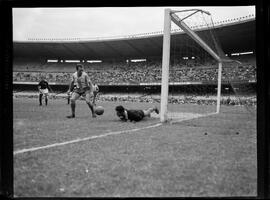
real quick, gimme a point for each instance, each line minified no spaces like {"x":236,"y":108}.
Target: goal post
{"x":219,"y":86}
{"x":169,"y":16}
{"x":165,"y":66}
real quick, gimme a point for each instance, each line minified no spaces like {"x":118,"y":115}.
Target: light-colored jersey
{"x":95,"y":88}
{"x":83,"y":81}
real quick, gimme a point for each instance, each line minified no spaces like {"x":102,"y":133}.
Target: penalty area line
{"x":83,"y":139}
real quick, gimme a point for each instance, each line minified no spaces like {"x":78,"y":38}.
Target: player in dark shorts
{"x":134,"y":115}
{"x":43,"y":88}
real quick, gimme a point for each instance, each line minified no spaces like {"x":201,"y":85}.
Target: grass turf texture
{"x":177,"y":160}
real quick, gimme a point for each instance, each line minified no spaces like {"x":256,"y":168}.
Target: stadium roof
{"x":237,"y":35}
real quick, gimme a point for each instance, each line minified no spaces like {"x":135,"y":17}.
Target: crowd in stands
{"x":210,"y":100}
{"x":134,"y":73}
{"x":139,"y":73}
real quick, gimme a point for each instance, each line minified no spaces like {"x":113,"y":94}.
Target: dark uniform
{"x":135,"y":115}
{"x":43,"y":87}
{"x":43,"y":84}
{"x":131,"y":115}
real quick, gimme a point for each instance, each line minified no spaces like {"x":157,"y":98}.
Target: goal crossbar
{"x":194,"y":36}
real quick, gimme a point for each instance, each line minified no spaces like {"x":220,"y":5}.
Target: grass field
{"x":214,"y":155}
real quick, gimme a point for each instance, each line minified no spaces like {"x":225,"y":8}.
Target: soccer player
{"x":82,"y":86}
{"x":134,"y":115}
{"x":43,"y":88}
{"x":95,"y":92}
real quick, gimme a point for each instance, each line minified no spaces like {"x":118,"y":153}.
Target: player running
{"x":43,"y":88}
{"x":82,"y":85}
{"x":134,"y":115}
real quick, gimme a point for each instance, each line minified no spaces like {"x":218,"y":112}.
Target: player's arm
{"x":124,"y":116}
{"x":97,"y":88}
{"x":39,"y":87}
{"x":123,"y":119}
{"x":49,"y":87}
{"x":89,"y":82}
{"x":71,"y":85}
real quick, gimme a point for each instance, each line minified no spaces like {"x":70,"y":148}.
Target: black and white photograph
{"x":143,"y":101}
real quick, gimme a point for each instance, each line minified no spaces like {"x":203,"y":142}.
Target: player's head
{"x":79,"y":68}
{"x":119,"y":110}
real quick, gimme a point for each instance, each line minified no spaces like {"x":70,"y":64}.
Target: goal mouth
{"x":174,"y":117}
{"x":204,"y":73}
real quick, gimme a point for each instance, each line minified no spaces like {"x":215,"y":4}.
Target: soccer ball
{"x":99,"y":110}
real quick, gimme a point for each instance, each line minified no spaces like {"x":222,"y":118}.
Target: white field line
{"x":100,"y":136}
{"x":84,"y":139}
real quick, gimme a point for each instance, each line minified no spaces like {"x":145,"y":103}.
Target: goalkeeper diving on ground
{"x":134,"y":115}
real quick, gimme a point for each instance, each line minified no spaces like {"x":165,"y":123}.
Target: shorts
{"x":77,"y":93}
{"x":43,"y":91}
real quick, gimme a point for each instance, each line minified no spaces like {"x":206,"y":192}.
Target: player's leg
{"x":46,"y":99}
{"x":150,"y":110}
{"x":88,"y":101}
{"x":68,"y":97}
{"x":94,"y":98}
{"x":46,"y":93}
{"x":73,"y":99}
{"x":40,"y":98}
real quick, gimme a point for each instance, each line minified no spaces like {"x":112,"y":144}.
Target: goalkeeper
{"x":134,"y":115}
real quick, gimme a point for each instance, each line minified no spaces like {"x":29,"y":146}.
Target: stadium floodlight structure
{"x":213,"y":49}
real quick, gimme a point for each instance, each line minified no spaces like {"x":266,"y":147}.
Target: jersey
{"x":81,"y":83}
{"x":43,"y":84}
{"x":135,"y":115}
{"x":96,"y":88}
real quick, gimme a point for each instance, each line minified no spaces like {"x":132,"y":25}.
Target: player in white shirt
{"x":82,"y":85}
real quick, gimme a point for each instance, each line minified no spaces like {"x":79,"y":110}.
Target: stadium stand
{"x":135,"y":73}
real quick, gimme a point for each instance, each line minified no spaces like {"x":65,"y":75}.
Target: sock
{"x":91,"y":108}
{"x":73,"y":105}
{"x":40,"y":99}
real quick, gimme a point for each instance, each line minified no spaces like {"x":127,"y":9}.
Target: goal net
{"x":197,"y":74}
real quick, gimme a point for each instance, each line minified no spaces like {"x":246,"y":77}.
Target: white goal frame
{"x":168,"y":17}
